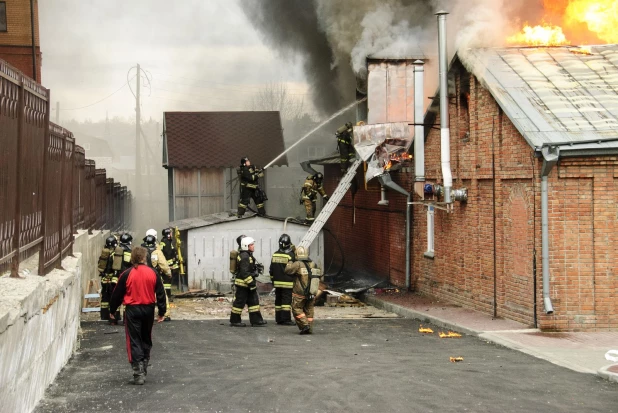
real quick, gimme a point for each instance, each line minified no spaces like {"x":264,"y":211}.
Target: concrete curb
{"x":607,"y":374}
{"x":418,"y":315}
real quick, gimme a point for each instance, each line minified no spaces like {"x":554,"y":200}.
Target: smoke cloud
{"x":334,"y":37}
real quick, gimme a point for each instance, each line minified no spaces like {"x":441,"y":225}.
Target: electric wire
{"x":101,"y":100}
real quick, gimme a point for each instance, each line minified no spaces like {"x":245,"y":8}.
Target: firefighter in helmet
{"x":309,"y":194}
{"x":109,"y":277}
{"x":122,"y":255}
{"x":171,"y":255}
{"x":344,"y":144}
{"x":246,"y":286}
{"x":156,"y":260}
{"x":249,"y":188}
{"x":306,"y":286}
{"x":282,"y":282}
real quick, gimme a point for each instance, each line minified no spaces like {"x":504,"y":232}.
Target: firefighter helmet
{"x":245,"y":243}
{"x":166,"y":232}
{"x":150,"y":240}
{"x":285,"y":242}
{"x":318,"y":177}
{"x":111,"y":242}
{"x":126,"y":238}
{"x":240,"y":237}
{"x":152,"y":232}
{"x":243,"y":160}
{"x":302,"y":253}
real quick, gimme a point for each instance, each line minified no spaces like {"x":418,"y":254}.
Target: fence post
{"x":71,"y":179}
{"x":60,"y":205}
{"x":18,"y":165}
{"x":44,"y":189}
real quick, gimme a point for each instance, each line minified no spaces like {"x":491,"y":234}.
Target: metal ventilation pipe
{"x":445,"y":134}
{"x":419,"y":130}
{"x":550,"y":159}
{"x":383,"y":201}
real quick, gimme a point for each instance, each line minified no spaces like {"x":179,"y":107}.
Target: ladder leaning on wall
{"x":333,"y":201}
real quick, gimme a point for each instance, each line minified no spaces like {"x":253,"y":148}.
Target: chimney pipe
{"x":419,"y":130}
{"x":445,"y":133}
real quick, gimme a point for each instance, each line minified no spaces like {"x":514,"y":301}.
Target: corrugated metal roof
{"x":553,"y":95}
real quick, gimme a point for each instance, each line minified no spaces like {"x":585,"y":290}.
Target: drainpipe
{"x":386,"y":181}
{"x":550,"y":158}
{"x":383,"y":201}
{"x":419,"y":130}
{"x":445,"y":133}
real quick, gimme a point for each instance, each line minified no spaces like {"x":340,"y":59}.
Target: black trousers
{"x":246,"y":195}
{"x":107,"y":288}
{"x":138,"y":321}
{"x":283,"y":304}
{"x":250,"y":298}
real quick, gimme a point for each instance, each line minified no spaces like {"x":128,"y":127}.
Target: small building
{"x":208,"y":240}
{"x":525,"y":123}
{"x":19,"y":36}
{"x":201,"y":151}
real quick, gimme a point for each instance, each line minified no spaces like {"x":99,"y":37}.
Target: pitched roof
{"x":220,"y":139}
{"x":555,"y":96}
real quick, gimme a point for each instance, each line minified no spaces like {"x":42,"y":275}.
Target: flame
{"x":450,"y":334}
{"x":580,"y":21}
{"x":425,"y":330}
{"x":539,"y":36}
{"x":455,"y":359}
{"x":388,"y":165}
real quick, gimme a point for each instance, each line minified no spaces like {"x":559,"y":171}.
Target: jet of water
{"x":316,"y":128}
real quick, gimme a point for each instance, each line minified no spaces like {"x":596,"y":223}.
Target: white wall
{"x":208,"y":248}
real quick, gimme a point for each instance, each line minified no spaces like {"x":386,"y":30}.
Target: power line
{"x":99,"y":101}
{"x":200,"y":96}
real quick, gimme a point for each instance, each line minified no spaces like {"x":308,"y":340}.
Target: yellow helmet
{"x":302,"y":253}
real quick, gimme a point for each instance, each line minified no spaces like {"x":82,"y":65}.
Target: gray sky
{"x":202,"y":55}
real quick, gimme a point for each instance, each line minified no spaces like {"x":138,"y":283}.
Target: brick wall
{"x":16,"y":42}
{"x":484,"y":251}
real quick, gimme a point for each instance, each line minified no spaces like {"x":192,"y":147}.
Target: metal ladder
{"x":329,"y":208}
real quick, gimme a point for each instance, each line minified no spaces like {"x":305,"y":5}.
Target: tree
{"x":276,"y":96}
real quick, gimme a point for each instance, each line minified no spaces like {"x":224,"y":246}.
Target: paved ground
{"x":363,"y":365}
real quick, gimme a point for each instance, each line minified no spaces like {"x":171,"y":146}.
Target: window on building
{"x":430,"y":216}
{"x":2,"y":16}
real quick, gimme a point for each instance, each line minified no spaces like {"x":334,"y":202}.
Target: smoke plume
{"x":334,"y":37}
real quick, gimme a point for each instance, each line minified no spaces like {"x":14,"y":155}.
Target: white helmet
{"x":245,"y":242}
{"x":151,"y":232}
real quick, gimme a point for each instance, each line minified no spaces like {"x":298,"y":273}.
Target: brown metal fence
{"x":48,"y":189}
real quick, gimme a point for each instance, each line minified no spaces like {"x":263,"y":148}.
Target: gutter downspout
{"x":33,"y":41}
{"x":419,"y":130}
{"x":445,"y":134}
{"x":550,"y":159}
{"x":386,"y":180}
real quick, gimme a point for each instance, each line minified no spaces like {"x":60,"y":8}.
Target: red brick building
{"x":17,"y":46}
{"x":508,"y":107}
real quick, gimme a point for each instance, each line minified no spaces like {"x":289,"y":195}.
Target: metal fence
{"x":48,"y":189}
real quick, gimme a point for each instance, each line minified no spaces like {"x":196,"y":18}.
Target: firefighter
{"x":246,"y":286}
{"x":282,"y":282}
{"x":306,"y":286}
{"x":249,"y":189}
{"x":122,"y":255}
{"x":156,"y":260}
{"x":139,"y":289}
{"x":171,"y":255}
{"x":311,"y":188}
{"x":107,"y":274}
{"x":344,"y":144}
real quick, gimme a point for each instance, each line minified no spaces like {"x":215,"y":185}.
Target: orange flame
{"x":580,"y":21}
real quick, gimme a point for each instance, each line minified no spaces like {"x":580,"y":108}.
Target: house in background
{"x":19,"y":36}
{"x":202,"y":150}
{"x":533,"y":132}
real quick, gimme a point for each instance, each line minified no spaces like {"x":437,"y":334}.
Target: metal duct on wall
{"x":419,"y":130}
{"x":445,"y":134}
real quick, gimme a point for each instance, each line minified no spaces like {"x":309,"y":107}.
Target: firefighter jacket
{"x":106,"y":270}
{"x":277,"y":269}
{"x":247,"y":270}
{"x":249,"y":176}
{"x":300,"y":271}
{"x":171,"y":255}
{"x":122,"y":258}
{"x":157,"y":261}
{"x":139,"y":286}
{"x":311,"y":189}
{"x":345,"y":138}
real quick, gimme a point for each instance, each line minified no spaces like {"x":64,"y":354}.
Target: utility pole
{"x":57,"y":113}
{"x":138,"y":158}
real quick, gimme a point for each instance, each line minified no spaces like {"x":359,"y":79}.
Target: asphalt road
{"x":374,"y":365}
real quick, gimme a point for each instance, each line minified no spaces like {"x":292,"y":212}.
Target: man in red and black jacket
{"x":139,"y":288}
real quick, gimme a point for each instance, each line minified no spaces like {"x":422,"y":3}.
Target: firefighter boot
{"x":138,"y":372}
{"x":305,"y":330}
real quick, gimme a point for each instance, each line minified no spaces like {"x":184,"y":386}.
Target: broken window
{"x":2,"y":16}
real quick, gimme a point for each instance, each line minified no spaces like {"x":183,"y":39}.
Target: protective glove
{"x":325,"y":197}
